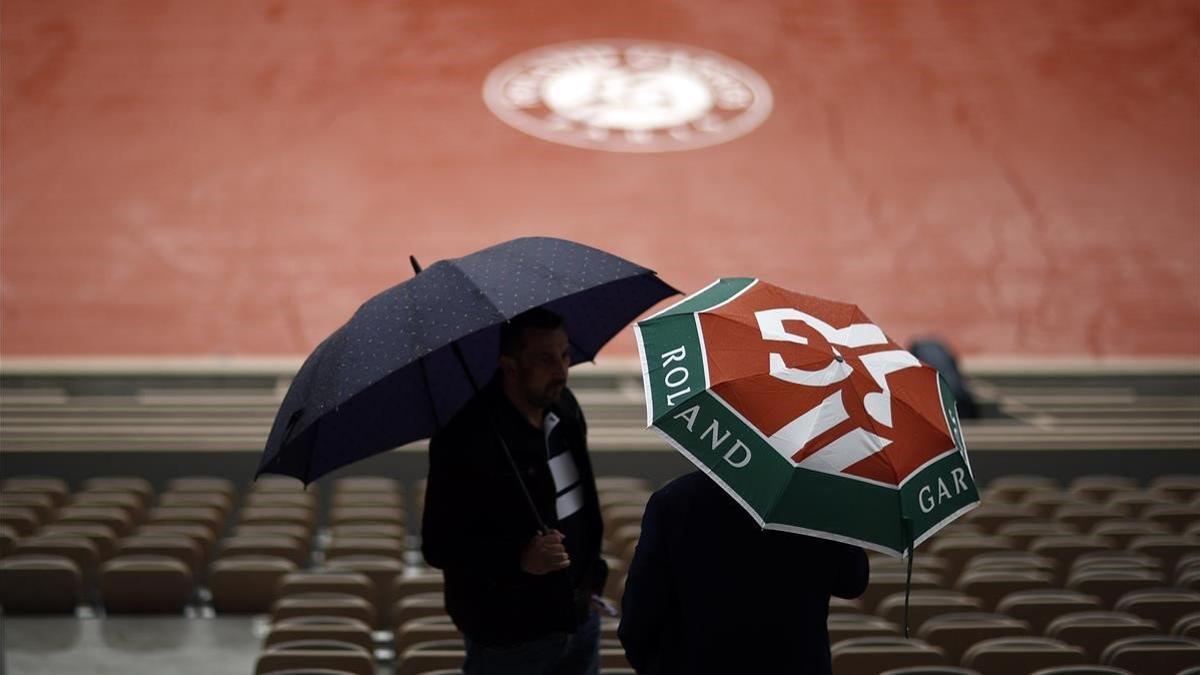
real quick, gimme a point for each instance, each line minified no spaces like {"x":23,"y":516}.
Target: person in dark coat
{"x":522,"y":597}
{"x":709,"y":591}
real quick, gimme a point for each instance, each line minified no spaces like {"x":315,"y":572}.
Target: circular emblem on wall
{"x":628,"y":95}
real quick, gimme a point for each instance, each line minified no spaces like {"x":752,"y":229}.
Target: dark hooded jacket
{"x":476,"y":521}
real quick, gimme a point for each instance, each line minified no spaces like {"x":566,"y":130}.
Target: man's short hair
{"x":513,"y":331}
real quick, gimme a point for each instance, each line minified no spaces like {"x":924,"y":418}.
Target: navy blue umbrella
{"x":414,"y":354}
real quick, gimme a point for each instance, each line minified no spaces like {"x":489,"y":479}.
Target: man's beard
{"x":546,"y":397}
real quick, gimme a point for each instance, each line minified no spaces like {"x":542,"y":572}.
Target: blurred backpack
{"x":933,"y":352}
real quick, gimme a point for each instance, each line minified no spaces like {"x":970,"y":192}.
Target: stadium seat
{"x":1096,"y":489}
{"x":368,"y":531}
{"x":1082,"y":670}
{"x":281,"y":484}
{"x":990,"y":585}
{"x":22,"y":520}
{"x":132,"y":503}
{"x":115,"y":518}
{"x":382,"y":571}
{"x":1046,"y":503}
{"x":78,"y":549}
{"x":412,"y":584}
{"x":305,"y":654}
{"x":1121,"y":532}
{"x":300,"y":534}
{"x":1020,"y":533}
{"x":180,"y":547}
{"x":365,"y":546}
{"x":8,"y":539}
{"x":416,"y":607}
{"x":425,"y":629}
{"x":883,"y":584}
{"x":1168,"y":548}
{"x":620,"y":515}
{"x":848,"y":626}
{"x":1093,"y":631}
{"x":957,"y":551}
{"x":1121,"y":560}
{"x":278,"y":546}
{"x":124,"y":484}
{"x":323,"y":604}
{"x":246,"y":585}
{"x":1162,"y":605}
{"x":872,"y":655}
{"x":367,"y":484}
{"x":200,"y":534}
{"x":1065,"y":549}
{"x":954,"y":633}
{"x":101,"y":536}
{"x":1109,"y":584}
{"x":213,"y":500}
{"x":349,"y":583}
{"x":290,"y":630}
{"x":930,"y":670}
{"x":423,"y":657}
{"x":623,"y":484}
{"x":1004,"y":561}
{"x":1086,"y":516}
{"x":203,"y":484}
{"x":342,"y":515}
{"x":54,"y":488}
{"x":1178,"y":488}
{"x":1137,"y":502}
{"x":143,"y":584}
{"x":39,"y":584}
{"x":1001,"y":656}
{"x":992,"y":515}
{"x":1014,"y":488}
{"x":610,"y":498}
{"x":1176,"y":518}
{"x":41,"y":504}
{"x":1153,"y":654}
{"x":281,"y":500}
{"x":924,"y":605}
{"x":1187,"y":626}
{"x":1040,"y":607}
{"x":277,"y":515}
{"x":208,"y":516}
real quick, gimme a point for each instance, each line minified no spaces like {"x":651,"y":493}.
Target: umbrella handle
{"x":907,"y":525}
{"x":542,"y":529}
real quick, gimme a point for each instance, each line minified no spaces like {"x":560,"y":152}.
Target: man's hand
{"x":544,"y":554}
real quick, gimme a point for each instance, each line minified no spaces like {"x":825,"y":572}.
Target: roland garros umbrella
{"x":807,"y":414}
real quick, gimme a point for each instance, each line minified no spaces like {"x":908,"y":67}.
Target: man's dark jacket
{"x":710,"y":592}
{"x":476,"y":522}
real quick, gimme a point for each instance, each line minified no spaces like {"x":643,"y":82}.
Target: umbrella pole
{"x":462,"y":361}
{"x":907,"y":524}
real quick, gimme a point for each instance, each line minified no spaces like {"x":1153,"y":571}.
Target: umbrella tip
{"x":412,"y":259}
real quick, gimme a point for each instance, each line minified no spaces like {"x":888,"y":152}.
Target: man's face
{"x":540,"y":370}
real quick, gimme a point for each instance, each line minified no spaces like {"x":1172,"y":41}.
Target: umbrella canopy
{"x":807,"y":414}
{"x":414,"y":354}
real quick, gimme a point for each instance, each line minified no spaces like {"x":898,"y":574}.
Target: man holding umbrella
{"x":517,"y":529}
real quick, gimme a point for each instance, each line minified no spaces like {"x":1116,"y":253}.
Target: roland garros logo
{"x":628,"y":96}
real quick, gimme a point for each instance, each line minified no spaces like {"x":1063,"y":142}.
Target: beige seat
{"x":417,"y":606}
{"x":40,"y":584}
{"x":282,"y":500}
{"x":1040,"y":607}
{"x":1015,"y":487}
{"x":928,"y":670}
{"x":110,"y":516}
{"x":277,"y":515}
{"x":392,"y":500}
{"x":208,"y":516}
{"x":924,"y":605}
{"x":1167,"y":548}
{"x":621,"y":515}
{"x":203,"y":484}
{"x":883,"y":584}
{"x":1000,"y":656}
{"x":991,"y":585}
{"x":1109,"y":584}
{"x":181,"y":548}
{"x":342,"y":515}
{"x":281,"y":484}
{"x":1022,"y":532}
{"x":1093,"y":631}
{"x":849,"y":626}
{"x":267,"y":545}
{"x":1121,"y":532}
{"x":931,"y":564}
{"x":1177,"y":518}
{"x":382,"y":571}
{"x":349,"y":583}
{"x":992,"y":515}
{"x":132,"y":503}
{"x":308,"y":655}
{"x":1007,"y":561}
{"x":368,"y":531}
{"x":367,"y":484}
{"x":145,"y":584}
{"x":41,"y":504}
{"x":425,"y":629}
{"x":1187,"y":626}
{"x":1153,"y":654}
{"x":623,"y":484}
{"x":1081,"y":670}
{"x":323,"y":604}
{"x":955,"y":633}
{"x":101,"y":536}
{"x":54,"y":488}
{"x":200,"y":534}
{"x":211,"y":500}
{"x":1066,"y":549}
{"x":20,"y":519}
{"x":958,"y":550}
{"x":292,"y":630}
{"x":130,"y":484}
{"x":78,"y":549}
{"x":372,"y":546}
{"x":1138,"y":502}
{"x":1097,"y":489}
{"x":422,"y":657}
{"x":1162,"y":605}
{"x":246,"y":585}
{"x":871,"y":655}
{"x":1086,"y":516}
{"x":637,"y":498}
{"x":412,"y":584}
{"x":300,"y":534}
{"x":1180,"y":488}
{"x":1120,"y":560}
